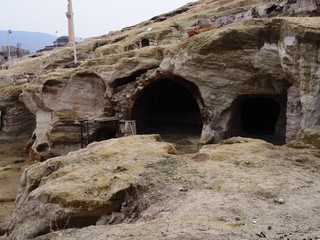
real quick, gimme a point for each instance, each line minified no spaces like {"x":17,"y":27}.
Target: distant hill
{"x":32,"y":41}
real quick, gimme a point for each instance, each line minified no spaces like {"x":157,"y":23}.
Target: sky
{"x":91,"y":17}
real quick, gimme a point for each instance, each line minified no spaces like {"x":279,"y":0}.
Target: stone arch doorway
{"x":169,"y":107}
{"x":259,"y":116}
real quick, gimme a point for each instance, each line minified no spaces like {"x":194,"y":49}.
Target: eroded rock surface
{"x":236,"y":189}
{"x":251,"y":70}
{"x":13,"y":157}
{"x":16,"y":121}
{"x":264,"y":52}
{"x":308,"y":138}
{"x":76,"y":190}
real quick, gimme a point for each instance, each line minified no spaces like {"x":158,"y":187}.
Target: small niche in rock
{"x":75,"y":222}
{"x":104,"y":134}
{"x":71,"y":222}
{"x":145,"y":43}
{"x":43,"y":147}
{"x":125,"y":80}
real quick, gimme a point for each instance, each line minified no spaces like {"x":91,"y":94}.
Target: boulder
{"x":77,"y":189}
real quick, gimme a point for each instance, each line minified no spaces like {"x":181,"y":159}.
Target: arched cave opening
{"x":259,"y":116}
{"x":169,"y":108}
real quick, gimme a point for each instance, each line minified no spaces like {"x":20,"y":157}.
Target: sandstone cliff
{"x":254,"y":73}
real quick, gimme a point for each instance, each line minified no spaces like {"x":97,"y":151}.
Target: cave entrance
{"x":260,"y":116}
{"x":170,"y":108}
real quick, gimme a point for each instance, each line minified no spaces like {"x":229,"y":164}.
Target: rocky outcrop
{"x":294,"y":113}
{"x":307,"y":138}
{"x":78,"y":189}
{"x":265,"y":65}
{"x":256,"y":75}
{"x":58,"y":107}
{"x":135,"y":188}
{"x":16,"y":121}
{"x":251,"y":70}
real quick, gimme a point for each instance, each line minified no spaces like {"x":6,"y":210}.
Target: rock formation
{"x":78,"y":189}
{"x":255,"y":75}
{"x":16,"y":121}
{"x":136,"y":187}
{"x":211,"y":69}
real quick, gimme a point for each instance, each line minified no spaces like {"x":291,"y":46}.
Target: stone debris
{"x":183,"y":189}
{"x":279,"y":201}
{"x":261,"y":235}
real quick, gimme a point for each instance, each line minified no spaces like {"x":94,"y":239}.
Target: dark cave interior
{"x":167,"y":107}
{"x":259,"y":116}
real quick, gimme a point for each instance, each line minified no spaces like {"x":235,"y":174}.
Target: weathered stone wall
{"x":16,"y":120}
{"x":294,"y":113}
{"x":267,"y":57}
{"x":58,"y":108}
{"x":258,"y":57}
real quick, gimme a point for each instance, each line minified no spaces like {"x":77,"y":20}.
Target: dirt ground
{"x":13,"y":160}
